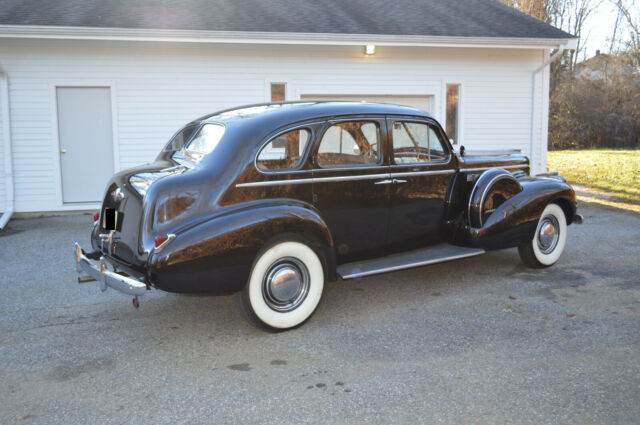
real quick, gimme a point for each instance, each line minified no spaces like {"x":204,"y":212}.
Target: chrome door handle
{"x":385,"y":181}
{"x":399,"y":181}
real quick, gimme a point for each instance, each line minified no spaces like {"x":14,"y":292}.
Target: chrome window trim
{"x":331,"y":122}
{"x":433,"y":125}
{"x":296,"y":169}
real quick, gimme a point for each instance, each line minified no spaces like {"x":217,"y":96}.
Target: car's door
{"x":421,"y":168}
{"x":351,"y":187}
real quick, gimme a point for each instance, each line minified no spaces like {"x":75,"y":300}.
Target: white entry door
{"x":86,"y":142}
{"x":424,"y":103}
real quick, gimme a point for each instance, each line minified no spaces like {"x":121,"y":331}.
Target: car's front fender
{"x":514,"y":221}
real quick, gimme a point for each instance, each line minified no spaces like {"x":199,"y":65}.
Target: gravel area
{"x":480,"y":340}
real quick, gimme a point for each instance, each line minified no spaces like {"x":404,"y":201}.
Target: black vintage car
{"x":271,"y":201}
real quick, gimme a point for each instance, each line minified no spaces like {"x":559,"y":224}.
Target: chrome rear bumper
{"x":101,"y":271}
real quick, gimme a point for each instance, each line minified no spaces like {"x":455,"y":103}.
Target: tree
{"x":568,"y":15}
{"x":595,"y":103}
{"x":633,"y":23}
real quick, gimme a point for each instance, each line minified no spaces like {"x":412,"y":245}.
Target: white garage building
{"x":88,"y":87}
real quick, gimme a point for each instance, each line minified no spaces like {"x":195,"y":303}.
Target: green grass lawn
{"x":614,"y":172}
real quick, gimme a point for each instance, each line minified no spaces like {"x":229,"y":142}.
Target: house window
{"x":278,"y":92}
{"x":453,"y":112}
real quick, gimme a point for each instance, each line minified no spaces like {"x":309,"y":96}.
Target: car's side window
{"x":284,"y":151}
{"x":415,"y":143}
{"x":350,"y":143}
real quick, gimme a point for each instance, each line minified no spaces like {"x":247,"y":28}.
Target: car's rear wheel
{"x":548,"y":241}
{"x":285,"y":286}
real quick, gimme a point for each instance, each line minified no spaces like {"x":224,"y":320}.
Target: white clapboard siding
{"x":159,"y":87}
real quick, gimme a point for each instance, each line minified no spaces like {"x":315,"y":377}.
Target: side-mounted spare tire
{"x":491,"y":190}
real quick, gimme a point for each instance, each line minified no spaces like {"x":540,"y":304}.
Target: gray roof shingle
{"x":466,"y":18}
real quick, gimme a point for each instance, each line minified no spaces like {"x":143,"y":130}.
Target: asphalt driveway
{"x":481,"y":340}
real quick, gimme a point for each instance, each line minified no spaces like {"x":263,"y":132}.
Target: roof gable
{"x":450,"y":18}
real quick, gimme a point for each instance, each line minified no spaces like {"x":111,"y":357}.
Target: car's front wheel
{"x":285,"y":286}
{"x":548,"y":241}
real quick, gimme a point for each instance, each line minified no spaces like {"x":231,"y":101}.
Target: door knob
{"x":63,"y":151}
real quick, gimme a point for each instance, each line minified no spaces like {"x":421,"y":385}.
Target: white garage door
{"x":424,"y":103}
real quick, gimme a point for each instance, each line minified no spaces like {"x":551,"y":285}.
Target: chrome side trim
{"x":415,"y":264}
{"x":344,"y":178}
{"x":496,"y":152}
{"x":422,"y":173}
{"x":353,"y":168}
{"x":506,"y":167}
{"x":315,"y":180}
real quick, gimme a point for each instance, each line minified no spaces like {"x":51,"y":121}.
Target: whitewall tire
{"x":285,"y":286}
{"x":549,"y":240}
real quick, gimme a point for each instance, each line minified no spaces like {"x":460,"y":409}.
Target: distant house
{"x":89,"y":87}
{"x":603,"y":66}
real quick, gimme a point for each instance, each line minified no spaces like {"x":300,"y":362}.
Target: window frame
{"x":378,"y":120}
{"x":309,"y":126}
{"x":430,"y":123}
{"x":460,"y":85}
{"x":284,"y":84}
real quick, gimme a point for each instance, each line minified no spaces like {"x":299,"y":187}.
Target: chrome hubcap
{"x":548,"y":234}
{"x":286,"y":285}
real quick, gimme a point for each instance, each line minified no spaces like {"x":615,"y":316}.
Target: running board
{"x":406,"y":260}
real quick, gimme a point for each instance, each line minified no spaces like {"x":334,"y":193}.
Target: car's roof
{"x":279,"y":114}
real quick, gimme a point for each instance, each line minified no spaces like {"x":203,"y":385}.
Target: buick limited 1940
{"x":271,"y":201}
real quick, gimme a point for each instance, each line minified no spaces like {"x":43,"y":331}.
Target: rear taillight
{"x":96,"y":217}
{"x":160,"y":239}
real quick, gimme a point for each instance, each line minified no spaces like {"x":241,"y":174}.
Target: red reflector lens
{"x":161,"y":239}
{"x":96,"y":216}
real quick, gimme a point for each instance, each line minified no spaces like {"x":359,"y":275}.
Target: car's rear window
{"x":180,"y":138}
{"x":206,"y":140}
{"x":192,"y":148}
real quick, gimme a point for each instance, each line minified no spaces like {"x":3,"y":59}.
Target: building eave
{"x":233,"y":37}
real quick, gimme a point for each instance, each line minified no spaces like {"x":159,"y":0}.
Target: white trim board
{"x":245,"y":37}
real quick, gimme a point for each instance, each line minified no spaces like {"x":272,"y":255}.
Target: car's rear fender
{"x":216,"y":255}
